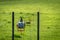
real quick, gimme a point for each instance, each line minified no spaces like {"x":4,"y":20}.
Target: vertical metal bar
{"x":37,"y":25}
{"x":12,"y":25}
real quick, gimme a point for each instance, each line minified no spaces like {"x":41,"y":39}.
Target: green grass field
{"x":49,"y":19}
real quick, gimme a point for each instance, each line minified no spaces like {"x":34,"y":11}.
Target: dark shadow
{"x":21,"y":13}
{"x":48,"y":27}
{"x":17,"y":36}
{"x":28,"y":22}
{"x":9,"y":22}
{"x":32,"y":14}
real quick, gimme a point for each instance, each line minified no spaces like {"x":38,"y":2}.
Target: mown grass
{"x":51,"y":21}
{"x":5,"y":26}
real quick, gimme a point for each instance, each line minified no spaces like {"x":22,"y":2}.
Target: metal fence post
{"x":12,"y":25}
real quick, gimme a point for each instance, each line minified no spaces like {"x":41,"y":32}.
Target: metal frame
{"x":13,"y":25}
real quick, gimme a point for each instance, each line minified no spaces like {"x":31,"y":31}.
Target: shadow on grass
{"x":2,"y":38}
{"x":17,"y":36}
